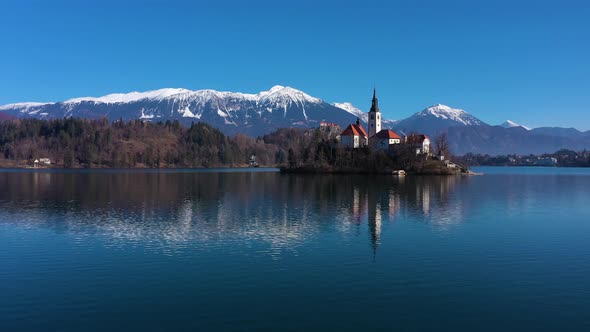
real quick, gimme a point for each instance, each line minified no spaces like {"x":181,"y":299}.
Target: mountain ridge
{"x":260,"y":113}
{"x":232,"y":112}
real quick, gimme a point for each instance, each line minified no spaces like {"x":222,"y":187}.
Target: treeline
{"x":74,"y":143}
{"x":563,"y":158}
{"x":98,"y":143}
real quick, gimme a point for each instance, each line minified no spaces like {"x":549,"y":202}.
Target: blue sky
{"x":528,"y":61}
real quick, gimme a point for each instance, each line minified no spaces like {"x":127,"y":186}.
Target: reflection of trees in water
{"x":179,"y":207}
{"x":432,"y":197}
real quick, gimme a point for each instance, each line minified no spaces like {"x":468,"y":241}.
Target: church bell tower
{"x":374,"y":116}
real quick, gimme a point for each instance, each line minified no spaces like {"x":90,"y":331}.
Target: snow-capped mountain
{"x":350,"y":108}
{"x":512,"y":124}
{"x":445,"y":112}
{"x":436,"y":119}
{"x":363,"y":116}
{"x":232,"y":112}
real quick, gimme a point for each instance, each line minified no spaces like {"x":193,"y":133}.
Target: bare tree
{"x":442,"y":145}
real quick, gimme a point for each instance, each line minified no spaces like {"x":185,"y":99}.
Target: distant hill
{"x":495,"y":140}
{"x":559,"y":132}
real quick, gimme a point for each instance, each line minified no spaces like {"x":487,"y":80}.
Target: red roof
{"x":354,"y":130}
{"x":387,"y":134}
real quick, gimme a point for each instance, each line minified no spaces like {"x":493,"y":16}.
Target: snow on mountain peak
{"x":509,"y":124}
{"x":443,"y":110}
{"x":24,"y":106}
{"x":276,"y":93}
{"x":130,"y":97}
{"x":276,"y":88}
{"x":350,"y":108}
{"x":279,"y":93}
{"x":512,"y":124}
{"x":448,"y":113}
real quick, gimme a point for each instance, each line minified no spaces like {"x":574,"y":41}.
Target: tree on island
{"x":441,"y":143}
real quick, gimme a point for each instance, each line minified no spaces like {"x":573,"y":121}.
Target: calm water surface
{"x":225,"y":251}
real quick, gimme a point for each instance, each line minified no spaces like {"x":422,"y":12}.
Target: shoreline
{"x":58,"y":168}
{"x":401,"y":173}
{"x":14,"y":164}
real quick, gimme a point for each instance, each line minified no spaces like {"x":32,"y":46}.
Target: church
{"x":355,"y":136}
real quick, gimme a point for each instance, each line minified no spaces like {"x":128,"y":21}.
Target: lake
{"x":235,"y":250}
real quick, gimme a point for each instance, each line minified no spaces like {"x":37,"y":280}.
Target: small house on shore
{"x":42,"y":162}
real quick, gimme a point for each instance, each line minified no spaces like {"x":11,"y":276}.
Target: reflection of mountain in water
{"x":266,"y":208}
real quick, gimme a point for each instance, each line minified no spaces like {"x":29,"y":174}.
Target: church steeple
{"x":374,"y":117}
{"x":375,"y":102}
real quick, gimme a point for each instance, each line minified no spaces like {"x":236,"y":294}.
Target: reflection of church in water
{"x":376,"y":209}
{"x":424,"y":200}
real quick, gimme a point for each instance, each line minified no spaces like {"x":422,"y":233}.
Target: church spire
{"x":375,"y":103}
{"x":374,"y":122}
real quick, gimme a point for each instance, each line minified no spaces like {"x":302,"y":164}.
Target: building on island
{"x":385,"y":139}
{"x":354,"y":136}
{"x":331,"y":129}
{"x":420,"y":142}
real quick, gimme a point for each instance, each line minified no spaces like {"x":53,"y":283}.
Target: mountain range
{"x":232,"y":112}
{"x":279,"y":107}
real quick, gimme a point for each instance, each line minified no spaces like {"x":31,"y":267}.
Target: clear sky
{"x":528,"y":61}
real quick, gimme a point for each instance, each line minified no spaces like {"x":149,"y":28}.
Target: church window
{"x":372,"y":117}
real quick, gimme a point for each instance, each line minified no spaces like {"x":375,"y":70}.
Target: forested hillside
{"x":99,"y":143}
{"x":79,"y":143}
